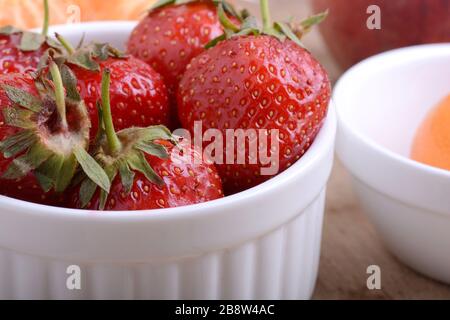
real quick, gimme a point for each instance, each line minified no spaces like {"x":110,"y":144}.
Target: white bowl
{"x":263,"y":243}
{"x":380,"y":104}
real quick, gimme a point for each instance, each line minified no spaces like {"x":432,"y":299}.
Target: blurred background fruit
{"x":432,"y":143}
{"x":28,"y":13}
{"x":403,"y":23}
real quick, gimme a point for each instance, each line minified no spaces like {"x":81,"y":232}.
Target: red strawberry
{"x":138,"y":93}
{"x":13,"y":59}
{"x":27,"y":188}
{"x":172,"y":34}
{"x":20,"y":51}
{"x":263,"y":81}
{"x":43,"y":135}
{"x":182,"y":184}
{"x":146,"y":170}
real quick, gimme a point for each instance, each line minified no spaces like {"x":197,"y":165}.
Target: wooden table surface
{"x":350,"y":243}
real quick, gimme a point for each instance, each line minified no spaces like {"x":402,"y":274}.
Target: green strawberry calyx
{"x":228,"y":8}
{"x":47,"y":143}
{"x":85,"y":56}
{"x":32,"y":41}
{"x":280,"y":30}
{"x":122,"y":153}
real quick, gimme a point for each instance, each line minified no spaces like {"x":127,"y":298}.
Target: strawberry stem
{"x":59,"y":94}
{"x":46,"y":18}
{"x":265,"y":12}
{"x":225,"y":21}
{"x":65,"y":43}
{"x":113,"y":141}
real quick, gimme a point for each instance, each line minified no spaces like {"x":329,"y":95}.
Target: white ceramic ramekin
{"x":380,"y":104}
{"x":263,"y":243}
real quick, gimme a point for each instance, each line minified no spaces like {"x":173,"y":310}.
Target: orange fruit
{"x":27,"y":14}
{"x":113,"y":10}
{"x":432,"y":142}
